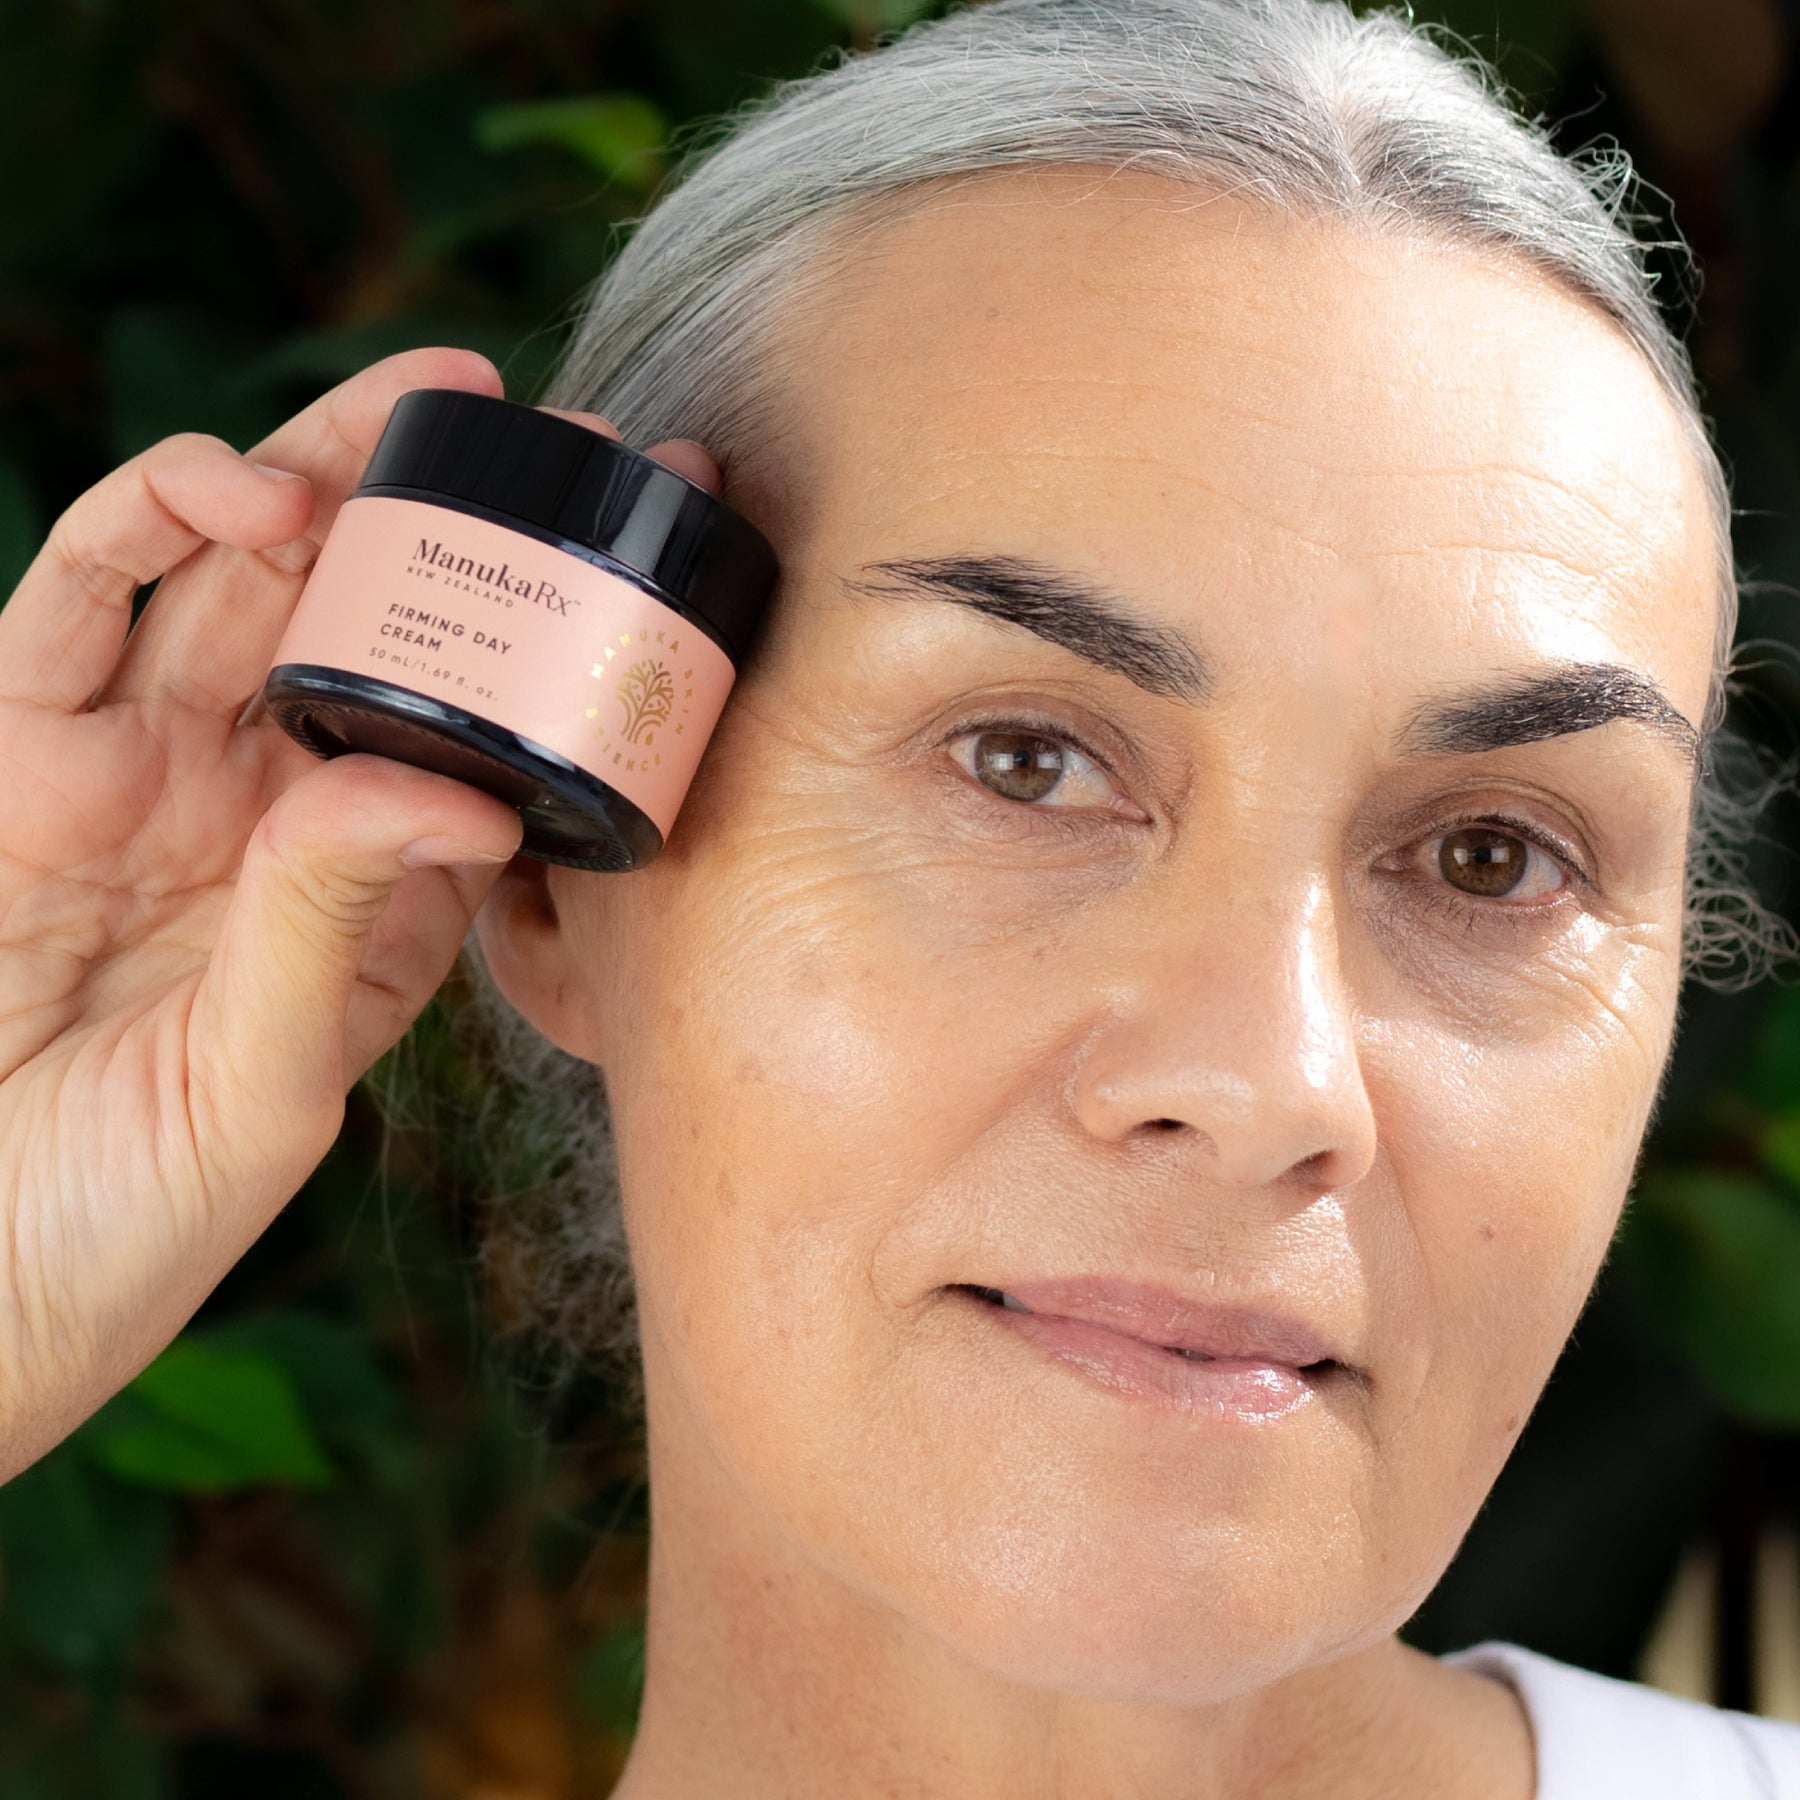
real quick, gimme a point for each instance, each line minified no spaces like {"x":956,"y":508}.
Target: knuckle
{"x":86,"y":556}
{"x":184,"y":446}
{"x":292,"y":558}
{"x":346,"y":899}
{"x":106,"y":541}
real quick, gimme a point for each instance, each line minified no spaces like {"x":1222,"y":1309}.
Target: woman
{"x":1132,"y":1057}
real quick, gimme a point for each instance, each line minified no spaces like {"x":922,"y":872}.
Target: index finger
{"x":332,"y":440}
{"x":208,"y":640}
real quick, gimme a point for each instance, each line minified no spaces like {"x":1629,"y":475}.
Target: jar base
{"x":570,"y":816}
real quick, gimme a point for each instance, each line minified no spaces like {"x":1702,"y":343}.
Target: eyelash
{"x":1026,"y":725}
{"x":1509,"y":825}
{"x":1525,"y":830}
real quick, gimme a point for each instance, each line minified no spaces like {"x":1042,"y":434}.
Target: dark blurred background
{"x":336,"y":1541}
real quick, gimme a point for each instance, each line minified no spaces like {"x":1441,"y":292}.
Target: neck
{"x":769,"y":1678}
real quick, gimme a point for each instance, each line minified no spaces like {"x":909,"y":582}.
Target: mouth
{"x":1149,"y":1343}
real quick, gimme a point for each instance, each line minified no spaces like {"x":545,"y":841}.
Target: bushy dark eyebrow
{"x":1101,"y":627}
{"x":1080,"y":616}
{"x":1528,"y":708}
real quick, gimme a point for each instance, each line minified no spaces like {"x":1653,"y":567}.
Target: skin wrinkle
{"x":1376,"y":477}
{"x":931,"y":1035}
{"x":1605,"y":586}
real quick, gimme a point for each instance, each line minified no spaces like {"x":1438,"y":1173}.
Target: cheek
{"x":820,"y":1081}
{"x":1514,"y":1152}
{"x":853,"y":1012}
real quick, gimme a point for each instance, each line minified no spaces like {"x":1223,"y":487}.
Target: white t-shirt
{"x":1599,"y":1739}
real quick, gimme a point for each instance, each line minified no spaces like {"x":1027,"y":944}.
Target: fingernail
{"x":434,"y":852}
{"x":274,"y":474}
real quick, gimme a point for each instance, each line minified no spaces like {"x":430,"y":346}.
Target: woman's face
{"x":1207,"y":815}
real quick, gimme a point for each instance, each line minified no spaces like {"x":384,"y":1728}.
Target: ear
{"x":529,"y":946}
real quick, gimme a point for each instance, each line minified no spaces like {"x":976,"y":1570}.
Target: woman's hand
{"x":206,"y":935}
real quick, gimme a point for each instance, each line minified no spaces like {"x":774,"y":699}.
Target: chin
{"x":1159,"y":1649}
{"x":1193,"y":1612}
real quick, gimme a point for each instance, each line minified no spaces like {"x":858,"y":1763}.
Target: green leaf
{"x":1716,"y":1260}
{"x":619,"y":135}
{"x":330,"y":1364}
{"x":206,"y":1418}
{"x":79,"y":1558}
{"x":345,"y":1394}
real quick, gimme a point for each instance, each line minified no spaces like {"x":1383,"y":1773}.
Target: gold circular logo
{"x":648,"y":692}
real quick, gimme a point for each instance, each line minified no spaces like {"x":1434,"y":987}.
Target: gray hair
{"x":1298,"y":105}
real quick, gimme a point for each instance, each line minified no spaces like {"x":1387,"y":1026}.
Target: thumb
{"x":266,"y":1034}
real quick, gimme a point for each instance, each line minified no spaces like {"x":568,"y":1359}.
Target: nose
{"x":1241,"y":1034}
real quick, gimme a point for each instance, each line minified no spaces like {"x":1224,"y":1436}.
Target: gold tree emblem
{"x":647,"y":693}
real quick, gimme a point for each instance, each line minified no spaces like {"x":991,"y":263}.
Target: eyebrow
{"x":1082,"y":617}
{"x":1528,"y":709}
{"x":1099,"y":626}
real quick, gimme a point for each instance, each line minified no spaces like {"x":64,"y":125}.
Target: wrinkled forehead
{"x":1221,"y":407}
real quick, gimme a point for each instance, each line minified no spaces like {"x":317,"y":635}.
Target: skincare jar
{"x":517,"y":601}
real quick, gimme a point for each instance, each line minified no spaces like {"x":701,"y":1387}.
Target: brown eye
{"x":1040,"y":771}
{"x":1483,"y":862}
{"x":1020,"y":767}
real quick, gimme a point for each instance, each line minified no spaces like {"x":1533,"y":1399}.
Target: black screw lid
{"x":564,"y":478}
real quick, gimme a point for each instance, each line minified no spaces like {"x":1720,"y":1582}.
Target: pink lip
{"x":1126,"y":1336}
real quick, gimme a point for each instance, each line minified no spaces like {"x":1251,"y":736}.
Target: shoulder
{"x":1600,"y":1739}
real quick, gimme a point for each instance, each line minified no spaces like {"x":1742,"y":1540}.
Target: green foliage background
{"x":323,"y":1545}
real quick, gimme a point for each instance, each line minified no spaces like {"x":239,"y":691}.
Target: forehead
{"x":1247,"y":417}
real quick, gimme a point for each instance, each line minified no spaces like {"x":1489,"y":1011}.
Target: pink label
{"x":513,"y":630}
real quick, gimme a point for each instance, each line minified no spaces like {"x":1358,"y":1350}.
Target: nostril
{"x":1165,"y":1124}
